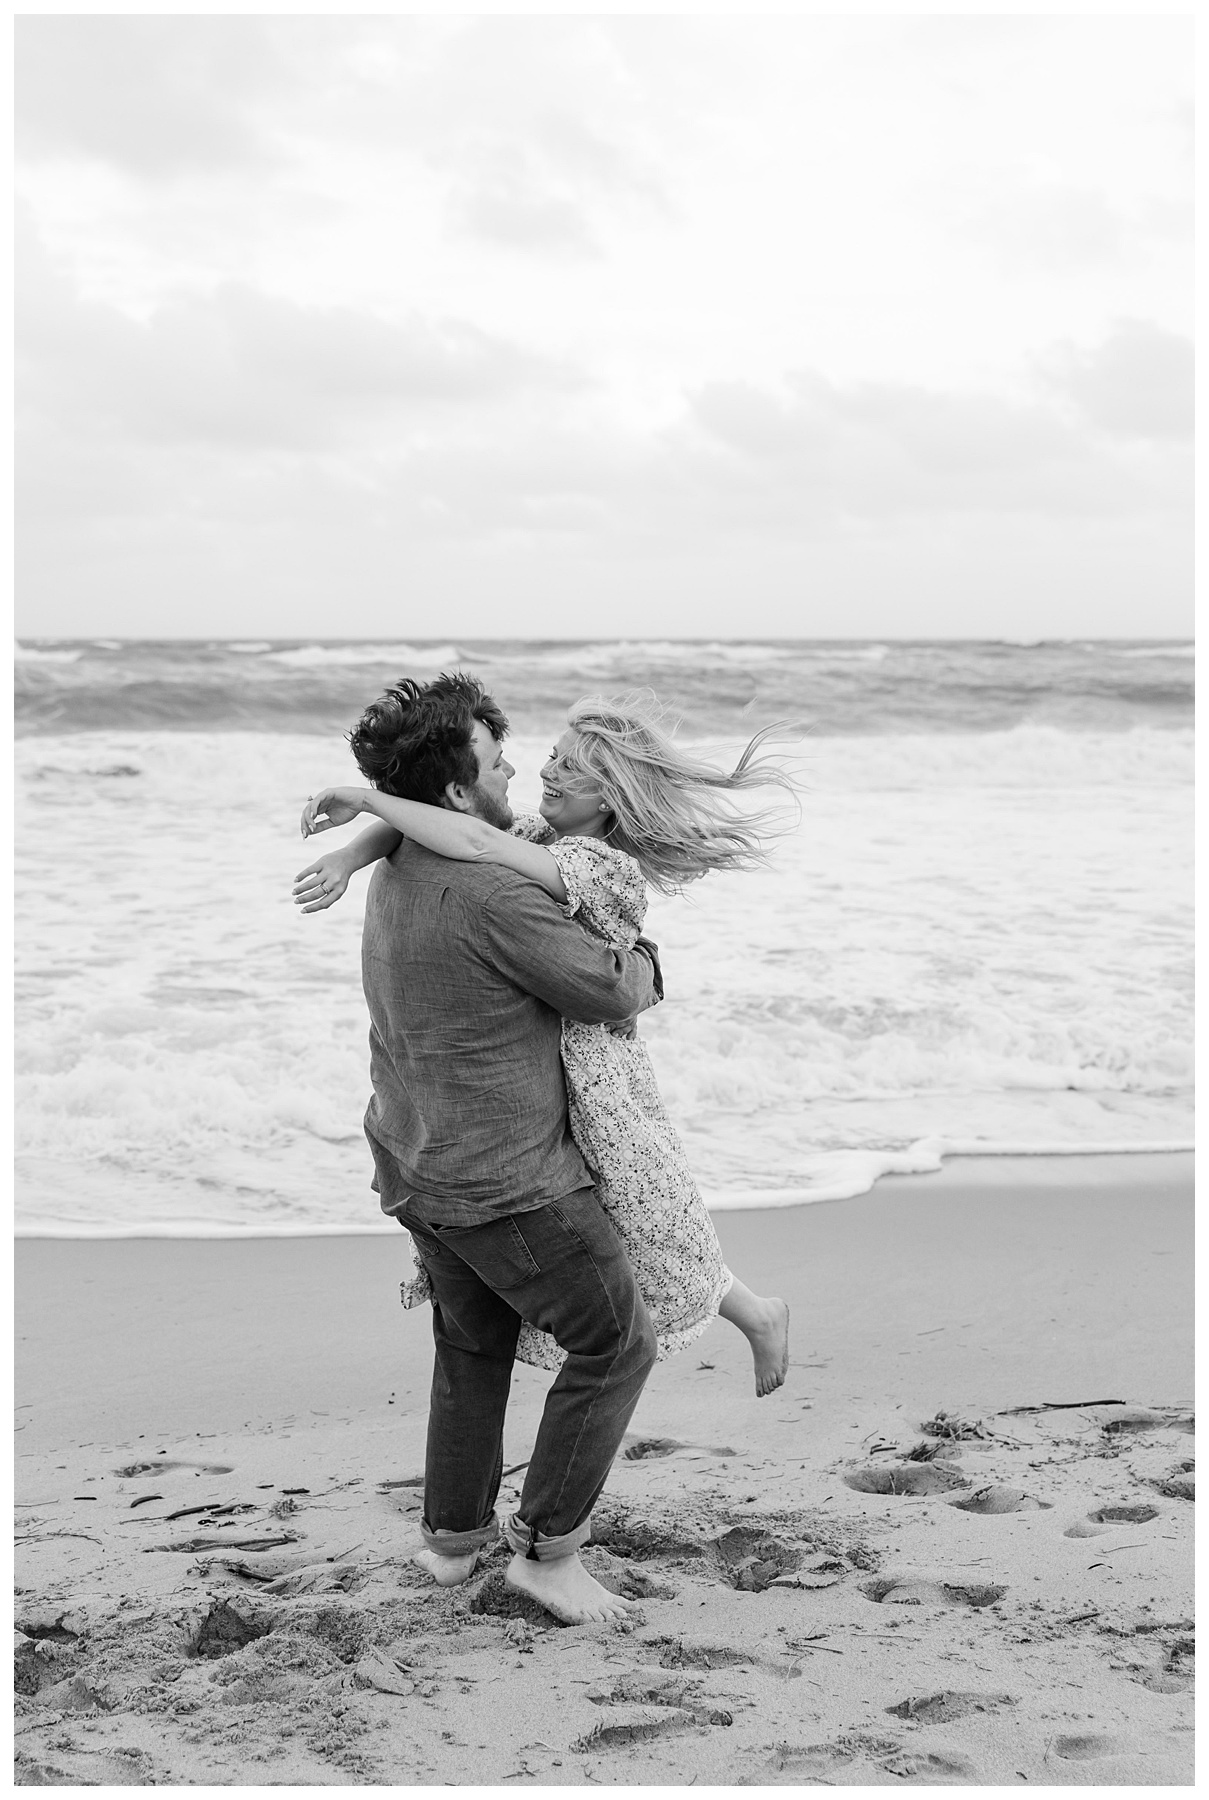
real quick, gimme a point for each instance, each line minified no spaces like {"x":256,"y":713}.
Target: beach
{"x":513,"y":418}
{"x":954,"y":1548}
{"x":971,"y":952}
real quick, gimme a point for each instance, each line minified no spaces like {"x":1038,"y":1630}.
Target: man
{"x":469,"y":969}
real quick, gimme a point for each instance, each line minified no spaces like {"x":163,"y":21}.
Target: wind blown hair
{"x":416,"y":739}
{"x":675,"y":814}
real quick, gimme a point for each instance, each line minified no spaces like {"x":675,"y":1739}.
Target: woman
{"x":622,"y":805}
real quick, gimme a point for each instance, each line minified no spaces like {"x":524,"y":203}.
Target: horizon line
{"x":715,"y":637}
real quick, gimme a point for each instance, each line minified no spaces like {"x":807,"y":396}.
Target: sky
{"x":578,"y":326}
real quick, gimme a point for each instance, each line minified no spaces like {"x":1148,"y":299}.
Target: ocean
{"x":978,"y":937}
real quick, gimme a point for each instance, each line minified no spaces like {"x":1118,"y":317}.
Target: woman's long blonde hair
{"x":672,"y":812}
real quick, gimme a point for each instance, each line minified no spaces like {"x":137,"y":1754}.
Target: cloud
{"x":528,"y":170}
{"x":876,"y":449}
{"x":814,"y":505}
{"x":517,"y":203}
{"x":1065,"y":229}
{"x":460,"y":433}
{"x":247,"y":370}
{"x":1138,"y":384}
{"x":517,"y":135}
{"x":154,"y":96}
{"x":1055,"y":228}
{"x":293,"y":340}
{"x":251,"y":411}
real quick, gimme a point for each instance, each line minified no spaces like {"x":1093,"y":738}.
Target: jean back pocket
{"x":496,"y":1252}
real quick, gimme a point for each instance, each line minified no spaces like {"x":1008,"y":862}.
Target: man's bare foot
{"x":769,"y":1340}
{"x":565,"y":1588}
{"x":447,"y":1571}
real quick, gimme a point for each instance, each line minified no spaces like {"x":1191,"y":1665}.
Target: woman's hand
{"x":322,"y":882}
{"x":333,"y":806}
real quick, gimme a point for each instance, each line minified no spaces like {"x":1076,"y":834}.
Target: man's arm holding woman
{"x":531,"y":942}
{"x":542,"y":951}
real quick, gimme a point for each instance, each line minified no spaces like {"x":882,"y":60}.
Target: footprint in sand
{"x":803,"y":1761}
{"x":80,"y":1693}
{"x":989,"y":1501}
{"x":1121,"y":1420}
{"x":824,"y":1571}
{"x":641,"y":1449}
{"x":931,"y":1769}
{"x":949,"y":1704}
{"x":1175,"y":1673}
{"x":161,"y":1465}
{"x":915,"y":1591}
{"x":31,"y":1671}
{"x":52,"y":1624}
{"x":906,"y":1478}
{"x":1180,"y":1482}
{"x":1168,"y":1681}
{"x":823,"y":1761}
{"x":125,"y":1767}
{"x":752,"y":1560}
{"x":647,"y":1687}
{"x":676,"y":1653}
{"x":642,"y":1540}
{"x":621,"y":1577}
{"x":1096,"y":1523}
{"x":225,"y":1629}
{"x":639,"y":1726}
{"x":1086,"y":1747}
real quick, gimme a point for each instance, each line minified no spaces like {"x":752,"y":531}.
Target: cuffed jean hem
{"x":540,"y":1548}
{"x":461,"y":1543}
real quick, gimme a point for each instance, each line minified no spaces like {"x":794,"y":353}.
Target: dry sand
{"x":816,"y":1606}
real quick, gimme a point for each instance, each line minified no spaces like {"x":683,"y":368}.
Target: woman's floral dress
{"x":617,"y":1119}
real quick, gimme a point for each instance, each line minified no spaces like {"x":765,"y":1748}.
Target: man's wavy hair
{"x":416,"y":739}
{"x":677,"y":815}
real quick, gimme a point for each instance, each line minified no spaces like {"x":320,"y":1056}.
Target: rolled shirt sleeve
{"x":535,"y":946}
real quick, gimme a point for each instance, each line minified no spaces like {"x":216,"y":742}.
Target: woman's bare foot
{"x":770,"y":1347}
{"x":765,"y":1325}
{"x":447,"y":1571}
{"x":564,"y":1587}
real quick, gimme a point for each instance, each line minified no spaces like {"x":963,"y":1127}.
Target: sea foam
{"x":971,"y":940}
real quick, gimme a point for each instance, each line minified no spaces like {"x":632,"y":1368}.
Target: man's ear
{"x":457,"y":798}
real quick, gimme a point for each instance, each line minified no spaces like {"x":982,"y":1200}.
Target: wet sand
{"x":816,"y":1604}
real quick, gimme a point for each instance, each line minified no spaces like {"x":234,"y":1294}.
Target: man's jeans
{"x":563,"y":1269}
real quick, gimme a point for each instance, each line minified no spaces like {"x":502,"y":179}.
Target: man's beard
{"x":491,"y":811}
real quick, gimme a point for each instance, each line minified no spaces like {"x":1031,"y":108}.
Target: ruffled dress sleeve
{"x":605,"y":889}
{"x":532,"y":827}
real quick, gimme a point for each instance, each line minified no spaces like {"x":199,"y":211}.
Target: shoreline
{"x":231,"y":1322}
{"x":929,"y":1156}
{"x":178,"y":1399}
